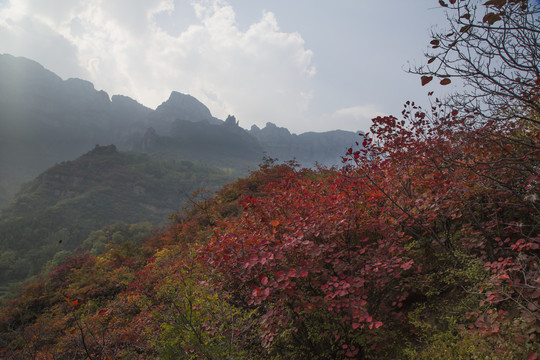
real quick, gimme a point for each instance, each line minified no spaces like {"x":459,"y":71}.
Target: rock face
{"x":179,"y":107}
{"x":183,"y":107}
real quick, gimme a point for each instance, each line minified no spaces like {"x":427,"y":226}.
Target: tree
{"x":493,"y":49}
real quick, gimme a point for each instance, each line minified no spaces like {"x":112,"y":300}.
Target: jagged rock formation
{"x":189,"y":107}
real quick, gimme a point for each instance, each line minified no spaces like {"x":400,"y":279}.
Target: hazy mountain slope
{"x":225,"y":145}
{"x":45,"y":120}
{"x":57,"y":210}
{"x":326,"y":148}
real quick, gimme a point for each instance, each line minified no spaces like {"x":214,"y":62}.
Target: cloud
{"x":355,"y":117}
{"x":260,"y":74}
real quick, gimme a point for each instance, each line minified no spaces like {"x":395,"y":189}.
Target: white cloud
{"x":260,"y":74}
{"x":355,"y":117}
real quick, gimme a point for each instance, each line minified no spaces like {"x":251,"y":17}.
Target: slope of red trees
{"x":425,"y":244}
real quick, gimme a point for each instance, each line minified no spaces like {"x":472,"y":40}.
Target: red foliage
{"x":314,"y":243}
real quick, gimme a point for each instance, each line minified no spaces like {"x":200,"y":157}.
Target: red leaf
{"x":426,"y":79}
{"x":491,"y":18}
{"x":407,"y":265}
{"x":497,"y":3}
{"x":434,"y":42}
{"x":432,"y":60}
{"x":445,"y":81}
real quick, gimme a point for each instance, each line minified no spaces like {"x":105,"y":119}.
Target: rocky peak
{"x":25,"y":72}
{"x":82,"y":94}
{"x":231,"y":121}
{"x":183,"y":107}
{"x":122,"y":101}
{"x":271,"y":132}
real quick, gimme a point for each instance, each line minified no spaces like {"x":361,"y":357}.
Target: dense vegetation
{"x":424,"y":245}
{"x":403,"y":255}
{"x":53,"y":214}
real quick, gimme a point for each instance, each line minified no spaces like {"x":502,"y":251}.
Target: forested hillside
{"x":425,"y":244}
{"x":53,"y":214}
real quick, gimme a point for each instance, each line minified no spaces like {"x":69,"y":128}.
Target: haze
{"x":304,"y":65}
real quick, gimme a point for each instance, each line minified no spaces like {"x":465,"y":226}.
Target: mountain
{"x":184,"y":107}
{"x":57,"y":210}
{"x":45,"y":120}
{"x":221,"y":145}
{"x":325,"y":148}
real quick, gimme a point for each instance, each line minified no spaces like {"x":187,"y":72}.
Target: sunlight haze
{"x":304,"y":65}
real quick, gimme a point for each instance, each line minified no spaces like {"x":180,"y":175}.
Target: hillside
{"x":391,"y":257}
{"x":56,"y":211}
{"x":223,"y":145}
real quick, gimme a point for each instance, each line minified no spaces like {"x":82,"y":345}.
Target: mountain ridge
{"x":45,"y":120}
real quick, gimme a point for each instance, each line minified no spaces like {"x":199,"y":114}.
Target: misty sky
{"x":304,"y":64}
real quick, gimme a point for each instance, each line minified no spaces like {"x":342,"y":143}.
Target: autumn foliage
{"x":425,"y":244}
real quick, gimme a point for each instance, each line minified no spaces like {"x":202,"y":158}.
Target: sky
{"x":307,"y":65}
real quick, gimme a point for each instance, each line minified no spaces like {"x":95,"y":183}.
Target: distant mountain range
{"x":45,"y":120}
